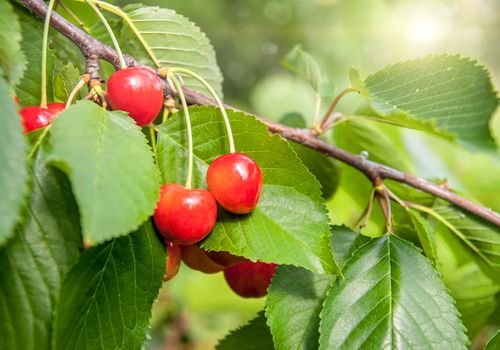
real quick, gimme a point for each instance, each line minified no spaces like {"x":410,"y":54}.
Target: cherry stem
{"x":39,"y":141}
{"x":232,"y":149}
{"x":45,"y":44}
{"x":110,"y":32}
{"x":152,"y":136}
{"x":83,"y":80}
{"x":178,"y":87}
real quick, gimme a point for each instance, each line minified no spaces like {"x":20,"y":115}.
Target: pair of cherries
{"x":246,"y":278}
{"x":136,"y":90}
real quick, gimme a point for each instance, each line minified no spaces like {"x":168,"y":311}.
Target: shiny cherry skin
{"x":250,"y":279}
{"x":138,"y":91}
{"x":173,"y":260}
{"x":235,"y":180}
{"x":197,"y":259}
{"x":185,"y":216}
{"x":36,"y":117}
{"x":225,"y":259}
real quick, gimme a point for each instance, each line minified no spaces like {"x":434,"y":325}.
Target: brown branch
{"x":91,"y":46}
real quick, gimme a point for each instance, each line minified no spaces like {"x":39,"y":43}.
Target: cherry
{"x":173,"y":260}
{"x":197,"y":259}
{"x":138,"y":91}
{"x":235,"y":180}
{"x":250,"y":279}
{"x":225,"y":259}
{"x":36,"y":117}
{"x":185,"y":216}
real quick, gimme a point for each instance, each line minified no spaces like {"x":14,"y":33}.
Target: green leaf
{"x":174,"y":41}
{"x":324,"y":168}
{"x":13,"y":174}
{"x":451,"y":95}
{"x":111,"y":169}
{"x":65,"y":79}
{"x":253,"y":336}
{"x":304,"y":65}
{"x":34,"y":263}
{"x":289,"y":226}
{"x":481,"y":237}
{"x":29,"y":88}
{"x":106,"y":298}
{"x":12,"y":59}
{"x":391,"y":297}
{"x":494,"y":342}
{"x":297,"y":327}
{"x":425,"y":234}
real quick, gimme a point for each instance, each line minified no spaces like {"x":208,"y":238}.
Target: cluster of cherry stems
{"x":183,"y":216}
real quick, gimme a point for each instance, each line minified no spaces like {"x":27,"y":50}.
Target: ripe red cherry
{"x":185,"y":216}
{"x":138,"y":91}
{"x":173,"y":260}
{"x":197,"y":259}
{"x":36,"y":117}
{"x":225,"y":259}
{"x":250,"y":279}
{"x":235,"y":180}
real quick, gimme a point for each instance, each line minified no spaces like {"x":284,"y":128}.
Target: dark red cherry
{"x":235,"y":180}
{"x":250,"y":279}
{"x":173,"y":260}
{"x":225,"y":259}
{"x":185,"y":216}
{"x":197,"y":259}
{"x":36,"y":117}
{"x":138,"y":91}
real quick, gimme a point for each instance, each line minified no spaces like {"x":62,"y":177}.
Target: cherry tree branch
{"x":91,"y":48}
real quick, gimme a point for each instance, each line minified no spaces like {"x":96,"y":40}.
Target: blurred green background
{"x":251,"y":38}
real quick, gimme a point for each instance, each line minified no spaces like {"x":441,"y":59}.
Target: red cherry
{"x":138,"y":91}
{"x":250,"y":279}
{"x":173,"y":260}
{"x":36,"y":117}
{"x":185,"y":216}
{"x":225,"y":259}
{"x":235,"y":180}
{"x":197,"y":259}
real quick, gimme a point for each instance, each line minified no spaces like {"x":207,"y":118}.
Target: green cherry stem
{"x":217,"y":100}
{"x":110,"y":32}
{"x":45,"y":44}
{"x":152,"y":135}
{"x":178,"y":87}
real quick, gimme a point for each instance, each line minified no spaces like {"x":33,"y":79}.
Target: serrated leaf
{"x":111,"y":169}
{"x":34,"y":262}
{"x":425,"y":234}
{"x":174,"y":41}
{"x":452,"y":95}
{"x":106,"y":298}
{"x":390,"y":297}
{"x":324,"y":168}
{"x":481,"y":237}
{"x":13,"y":174}
{"x":304,"y":65}
{"x":253,"y":336}
{"x":494,"y":342}
{"x":12,"y":59}
{"x":29,"y":88}
{"x":65,"y":79}
{"x":289,"y":226}
{"x":295,"y":297}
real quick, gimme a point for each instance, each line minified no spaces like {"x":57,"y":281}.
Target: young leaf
{"x":111,"y":169}
{"x":304,"y":65}
{"x":253,"y":336}
{"x":34,"y":262}
{"x":297,"y":327}
{"x":390,"y":297}
{"x":65,"y":79}
{"x":12,"y":59}
{"x":106,"y":298}
{"x":173,"y":40}
{"x":13,"y":174}
{"x":425,"y":234}
{"x":451,"y":94}
{"x":289,"y":225}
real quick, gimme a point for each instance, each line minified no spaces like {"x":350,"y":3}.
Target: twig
{"x":91,"y":46}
